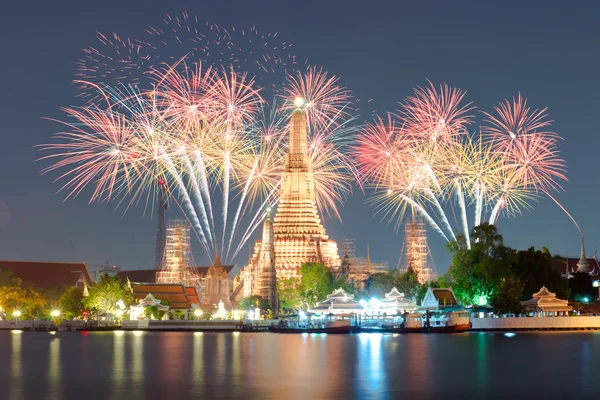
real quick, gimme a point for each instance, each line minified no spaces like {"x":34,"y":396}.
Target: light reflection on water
{"x":172,"y":365}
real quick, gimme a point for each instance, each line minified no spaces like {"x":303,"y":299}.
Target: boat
{"x":442,"y":322}
{"x":411,"y":323}
{"x":449,"y":322}
{"x":336,"y":326}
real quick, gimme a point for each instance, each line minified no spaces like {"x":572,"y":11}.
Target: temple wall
{"x":576,"y":322}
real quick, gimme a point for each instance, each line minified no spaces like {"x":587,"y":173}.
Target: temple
{"x":298,"y":236}
{"x":259,"y":275}
{"x":216,"y":286}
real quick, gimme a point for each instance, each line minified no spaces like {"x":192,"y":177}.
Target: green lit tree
{"x":475,"y":273}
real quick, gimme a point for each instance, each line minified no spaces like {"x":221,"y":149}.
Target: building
{"x":439,"y":299}
{"x":176,"y":267}
{"x":150,"y":275}
{"x":259,"y":275}
{"x":298,"y":234}
{"x":570,"y":265}
{"x":176,"y":295}
{"x":217,"y":285}
{"x":355,"y":270}
{"x":416,"y":249}
{"x":49,"y":275}
{"x":545,"y":304}
{"x":339,"y":303}
{"x":107,"y":270}
{"x":395,"y":302}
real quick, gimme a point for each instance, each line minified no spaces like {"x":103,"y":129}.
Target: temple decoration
{"x":395,"y":302}
{"x":296,"y":234}
{"x":339,"y":303}
{"x":217,"y":288}
{"x":545,"y":303}
{"x":583,"y":265}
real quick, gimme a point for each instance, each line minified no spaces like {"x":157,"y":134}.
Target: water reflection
{"x":138,"y":365}
{"x":370,"y":376}
{"x":481,"y":370}
{"x":118,"y":366}
{"x":136,"y":369}
{"x":16,"y":366}
{"x":197,"y":377}
{"x":54,"y":366}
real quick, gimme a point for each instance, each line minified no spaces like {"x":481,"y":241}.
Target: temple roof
{"x":48,"y":274}
{"x":176,"y":294}
{"x":217,"y":270}
{"x":394,"y":294}
{"x":338,"y":302}
{"x":149,"y":275}
{"x":436,"y":298}
{"x":571,"y":262}
{"x":544,"y":300}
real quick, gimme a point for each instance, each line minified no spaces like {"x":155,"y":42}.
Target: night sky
{"x":546,"y":50}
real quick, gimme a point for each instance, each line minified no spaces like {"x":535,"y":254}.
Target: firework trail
{"x":513,"y":161}
{"x":208,"y":131}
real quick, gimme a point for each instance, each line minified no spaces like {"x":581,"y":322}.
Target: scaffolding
{"x":177,"y":264}
{"x":356,"y":269}
{"x":159,"y":256}
{"x":416,"y":249}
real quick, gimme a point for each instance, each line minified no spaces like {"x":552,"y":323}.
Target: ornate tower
{"x":217,"y":285}
{"x":298,"y":235}
{"x":177,"y":265}
{"x":582,"y":265}
{"x":416,"y":249}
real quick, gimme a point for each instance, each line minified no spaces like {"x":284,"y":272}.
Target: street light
{"x":16,"y":313}
{"x":197,"y":313}
{"x":55,"y":313}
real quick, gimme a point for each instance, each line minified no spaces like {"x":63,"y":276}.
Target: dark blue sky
{"x":547,"y":50}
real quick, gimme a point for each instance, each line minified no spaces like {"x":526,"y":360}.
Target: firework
{"x":432,"y":163}
{"x":211,"y":138}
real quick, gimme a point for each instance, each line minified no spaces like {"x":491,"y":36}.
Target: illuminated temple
{"x":298,"y":236}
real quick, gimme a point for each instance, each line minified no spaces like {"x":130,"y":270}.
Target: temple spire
{"x":297,"y":150}
{"x":583,"y":265}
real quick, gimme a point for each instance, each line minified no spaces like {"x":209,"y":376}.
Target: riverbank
{"x":478,"y":325}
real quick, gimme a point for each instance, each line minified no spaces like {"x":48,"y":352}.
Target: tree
{"x":107,"y":293}
{"x":407,"y":283}
{"x":249,"y":303}
{"x":581,"y":287}
{"x":380,"y":283}
{"x":15,"y":295}
{"x":71,"y":302}
{"x":534,"y":269}
{"x":316,"y":283}
{"x":476,"y":272}
{"x":506,"y":297}
{"x":287,"y":290}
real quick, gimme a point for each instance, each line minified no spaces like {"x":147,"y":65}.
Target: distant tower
{"x":415,"y":248}
{"x":160,"y":233}
{"x":177,"y":265}
{"x":582,"y":265}
{"x":260,"y":276}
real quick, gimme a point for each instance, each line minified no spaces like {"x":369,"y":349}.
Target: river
{"x":174,"y":365}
